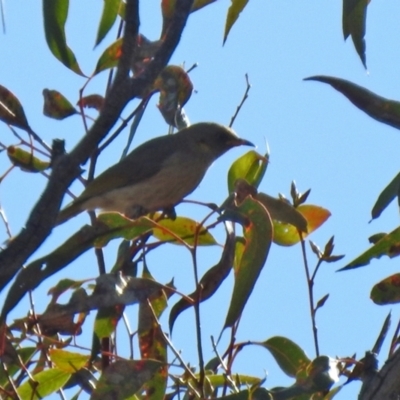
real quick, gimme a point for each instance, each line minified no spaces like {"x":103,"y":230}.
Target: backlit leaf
{"x":67,"y":361}
{"x":95,"y":101}
{"x":183,"y":228}
{"x":389,"y":245}
{"x":55,"y":13}
{"x":25,"y":160}
{"x":387,"y":291}
{"x":110,"y":57}
{"x":258,"y":236}
{"x":47,"y":382}
{"x":290,"y":357}
{"x":251,"y":167}
{"x":235,"y":9}
{"x":287,"y":235}
{"x":108,"y":17}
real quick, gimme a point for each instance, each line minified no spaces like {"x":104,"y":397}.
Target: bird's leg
{"x":169,"y":212}
{"x":135,"y":211}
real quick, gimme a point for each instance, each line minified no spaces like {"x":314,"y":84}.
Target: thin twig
{"x":310,"y":285}
{"x":245,"y":96}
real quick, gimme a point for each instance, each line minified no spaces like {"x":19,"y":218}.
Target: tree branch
{"x":67,"y":167}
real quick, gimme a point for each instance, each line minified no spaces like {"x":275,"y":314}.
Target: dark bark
{"x":67,"y":167}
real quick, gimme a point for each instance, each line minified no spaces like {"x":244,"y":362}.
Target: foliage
{"x":251,"y":221}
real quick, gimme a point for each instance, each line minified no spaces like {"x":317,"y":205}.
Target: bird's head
{"x":214,"y":139}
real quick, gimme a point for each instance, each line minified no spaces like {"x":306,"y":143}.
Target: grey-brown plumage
{"x":157,"y":174}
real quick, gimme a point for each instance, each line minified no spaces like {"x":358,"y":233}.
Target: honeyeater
{"x":158,"y":174}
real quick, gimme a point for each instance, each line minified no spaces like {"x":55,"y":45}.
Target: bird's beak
{"x":242,"y":142}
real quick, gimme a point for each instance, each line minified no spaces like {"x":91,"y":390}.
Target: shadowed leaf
{"x":131,"y":375}
{"x":353,"y":21}
{"x":390,"y":192}
{"x":387,"y":291}
{"x":11,"y":111}
{"x":56,"y":105}
{"x":377,"y":107}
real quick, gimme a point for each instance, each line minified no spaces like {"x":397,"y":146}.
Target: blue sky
{"x":316,"y":137}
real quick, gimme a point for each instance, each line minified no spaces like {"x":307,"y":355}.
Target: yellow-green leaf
{"x":68,"y":361}
{"x":251,"y":167}
{"x":25,"y":160}
{"x":110,"y":57}
{"x":181,"y":230}
{"x":108,"y":17}
{"x":235,"y":9}
{"x":287,"y":234}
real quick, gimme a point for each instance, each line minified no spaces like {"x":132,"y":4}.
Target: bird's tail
{"x":68,"y":212}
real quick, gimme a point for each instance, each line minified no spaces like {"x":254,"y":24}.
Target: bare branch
{"x":67,"y":167}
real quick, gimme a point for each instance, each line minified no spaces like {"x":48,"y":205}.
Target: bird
{"x":158,"y":174}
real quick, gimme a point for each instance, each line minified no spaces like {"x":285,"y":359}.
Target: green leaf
{"x":377,"y":107}
{"x":354,"y":20}
{"x":235,"y":9}
{"x":56,"y":106}
{"x":258,"y":237}
{"x":46,"y":383}
{"x":55,"y":14}
{"x":181,"y":230}
{"x":108,"y":17}
{"x":251,"y":167}
{"x":281,"y":211}
{"x":385,"y":198}
{"x":389,"y":245}
{"x":68,"y":361}
{"x":289,"y":356}
{"x":110,"y":57}
{"x":387,"y":291}
{"x":288,"y":235}
{"x":25,"y":160}
{"x":106,"y":320}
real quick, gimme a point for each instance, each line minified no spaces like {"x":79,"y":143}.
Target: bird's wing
{"x":141,"y":164}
